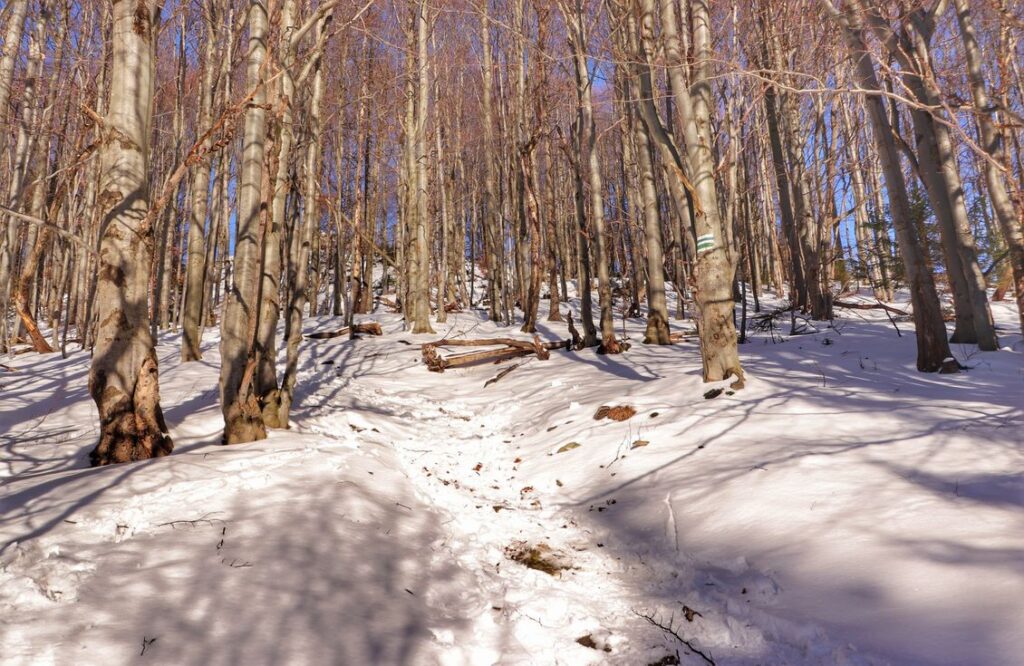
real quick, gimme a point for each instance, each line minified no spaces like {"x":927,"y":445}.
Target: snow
{"x":842,"y":508}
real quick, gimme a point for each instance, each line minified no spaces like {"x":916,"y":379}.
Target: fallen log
{"x":486,"y":342}
{"x":367,"y":328}
{"x":437,"y":363}
{"x":509,"y":348}
{"x":870,"y":306}
{"x":494,"y":342}
{"x":395,"y":307}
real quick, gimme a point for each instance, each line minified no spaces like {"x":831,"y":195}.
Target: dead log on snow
{"x":395,"y":307}
{"x":876,"y":305}
{"x":367,"y":328}
{"x":509,"y":348}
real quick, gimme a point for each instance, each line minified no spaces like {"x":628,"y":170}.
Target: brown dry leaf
{"x":621,"y":413}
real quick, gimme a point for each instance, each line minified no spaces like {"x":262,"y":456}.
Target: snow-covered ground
{"x":841,"y":509}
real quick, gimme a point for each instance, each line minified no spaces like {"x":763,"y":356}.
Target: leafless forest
{"x":181,"y":165}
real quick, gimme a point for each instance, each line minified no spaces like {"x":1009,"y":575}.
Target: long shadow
{"x":824,"y":390}
{"x":337,"y":574}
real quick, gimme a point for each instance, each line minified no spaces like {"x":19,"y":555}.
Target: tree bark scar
{"x":114,"y":274}
{"x":140,"y":22}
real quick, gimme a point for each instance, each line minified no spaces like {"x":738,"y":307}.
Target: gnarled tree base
{"x":122,"y":442}
{"x":131,"y":427}
{"x":240,"y":428}
{"x":612,"y":345}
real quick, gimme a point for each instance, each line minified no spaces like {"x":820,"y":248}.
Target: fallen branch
{"x":681,"y":336}
{"x":367,"y":328}
{"x":496,"y":378}
{"x":202,"y":520}
{"x":871,"y":306}
{"x":670,"y":629}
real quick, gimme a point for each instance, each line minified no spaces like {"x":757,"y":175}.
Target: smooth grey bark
{"x":36,"y":113}
{"x":124,"y":377}
{"x":12,"y":45}
{"x":362,"y":270}
{"x":243,"y":420}
{"x":490,"y":222}
{"x":677,"y":184}
{"x":419,"y":287}
{"x":276,"y":179}
{"x":715,"y":263}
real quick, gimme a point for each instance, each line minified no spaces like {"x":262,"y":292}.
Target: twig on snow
{"x":670,"y":629}
{"x":146,"y":642}
{"x":193,"y":523}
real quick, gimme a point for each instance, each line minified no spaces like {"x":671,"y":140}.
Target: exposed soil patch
{"x":540,"y":557}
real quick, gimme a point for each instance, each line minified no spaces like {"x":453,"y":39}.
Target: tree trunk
{"x":715,"y":265}
{"x":419,"y":287}
{"x":243,"y":420}
{"x":657,"y":331}
{"x":21,"y":159}
{"x":309,"y":222}
{"x":17,"y":9}
{"x":123,"y":380}
{"x":195,"y":292}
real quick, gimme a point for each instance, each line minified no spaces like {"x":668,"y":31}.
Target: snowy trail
{"x":841,"y":509}
{"x":464,"y":449}
{"x":459,"y":457}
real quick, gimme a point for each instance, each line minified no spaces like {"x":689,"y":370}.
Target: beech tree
{"x":240,"y":352}
{"x":124,"y":380}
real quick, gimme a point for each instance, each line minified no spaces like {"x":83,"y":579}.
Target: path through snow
{"x":842,"y":509}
